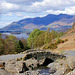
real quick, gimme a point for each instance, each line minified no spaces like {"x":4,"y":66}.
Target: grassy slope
{"x":70,"y":44}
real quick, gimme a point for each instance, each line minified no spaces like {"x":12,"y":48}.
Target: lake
{"x":21,"y":35}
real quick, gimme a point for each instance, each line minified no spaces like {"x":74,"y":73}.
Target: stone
{"x":11,"y":68}
{"x":71,"y":72}
{"x":41,"y":61}
{"x":71,"y":62}
{"x":31,"y":73}
{"x":31,"y":63}
{"x":16,"y":66}
{"x":60,"y":63}
{"x":19,"y":66}
{"x":13,"y":61}
{"x":3,"y":72}
{"x":52,"y":68}
{"x":61,"y":71}
{"x":51,"y":65}
{"x":2,"y":63}
{"x":61,"y":66}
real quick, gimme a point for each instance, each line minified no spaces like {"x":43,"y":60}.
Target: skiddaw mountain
{"x":59,"y":22}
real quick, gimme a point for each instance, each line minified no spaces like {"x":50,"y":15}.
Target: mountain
{"x":56,"y":22}
{"x":71,"y":30}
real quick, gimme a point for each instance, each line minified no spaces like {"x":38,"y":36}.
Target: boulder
{"x":16,"y":66}
{"x":10,"y":68}
{"x":41,"y":61}
{"x":19,"y":66}
{"x":71,"y":72}
{"x":2,"y":63}
{"x":60,"y":63}
{"x":31,"y":63}
{"x":52,"y":68}
{"x":32,"y":73}
{"x":3,"y":72}
{"x":13,"y":61}
{"x":63,"y":66}
{"x":51,"y":65}
{"x":61,"y":71}
{"x":71,"y":62}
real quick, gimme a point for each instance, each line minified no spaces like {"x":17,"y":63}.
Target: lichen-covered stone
{"x":71,"y":72}
{"x":31,"y":63}
{"x":71,"y":62}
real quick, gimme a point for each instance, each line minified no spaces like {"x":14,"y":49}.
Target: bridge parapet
{"x":42,"y":54}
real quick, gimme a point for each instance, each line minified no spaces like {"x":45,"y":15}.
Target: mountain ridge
{"x":42,"y":22}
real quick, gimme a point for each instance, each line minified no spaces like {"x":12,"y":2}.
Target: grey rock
{"x":3,"y":72}
{"x":72,"y":72}
{"x":61,"y":71}
{"x":32,"y":73}
{"x":31,"y":63}
{"x":16,"y":66}
{"x":71,"y":62}
{"x":10,"y":68}
{"x":60,"y":63}
{"x":63,"y":66}
{"x":51,"y":65}
{"x":2,"y":63}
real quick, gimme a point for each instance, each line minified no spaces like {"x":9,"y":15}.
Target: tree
{"x":1,"y":47}
{"x":33,"y":36}
{"x":19,"y":46}
{"x":10,"y":44}
{"x":60,"y":34}
{"x":48,"y":30}
{"x":0,"y":35}
{"x":39,"y":40}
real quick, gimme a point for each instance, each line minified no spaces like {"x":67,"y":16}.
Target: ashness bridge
{"x":42,"y":56}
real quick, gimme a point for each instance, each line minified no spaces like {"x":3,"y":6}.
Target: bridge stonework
{"x":41,"y":55}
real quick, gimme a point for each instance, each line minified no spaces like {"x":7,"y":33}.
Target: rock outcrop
{"x":64,"y":66}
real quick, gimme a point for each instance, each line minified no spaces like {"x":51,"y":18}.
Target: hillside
{"x":70,"y":44}
{"x":61,"y":22}
{"x":71,"y":30}
{"x":63,"y":43}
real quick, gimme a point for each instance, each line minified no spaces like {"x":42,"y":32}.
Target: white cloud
{"x":25,"y":2}
{"x":33,"y":8}
{"x":26,"y":17}
{"x":51,"y":4}
{"x":8,"y":7}
{"x":68,"y":10}
{"x":38,"y":6}
{"x":8,"y":14}
{"x":19,"y":14}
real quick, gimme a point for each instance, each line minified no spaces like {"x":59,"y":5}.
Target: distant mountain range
{"x":60,"y":22}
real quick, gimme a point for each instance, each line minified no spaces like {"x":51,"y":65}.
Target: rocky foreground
{"x":64,"y":66}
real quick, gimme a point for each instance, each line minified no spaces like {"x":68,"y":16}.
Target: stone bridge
{"x":42,"y":56}
{"x":32,"y":59}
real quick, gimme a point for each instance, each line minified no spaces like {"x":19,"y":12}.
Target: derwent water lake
{"x":21,"y":35}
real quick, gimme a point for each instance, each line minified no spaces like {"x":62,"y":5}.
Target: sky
{"x":15,"y":10}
